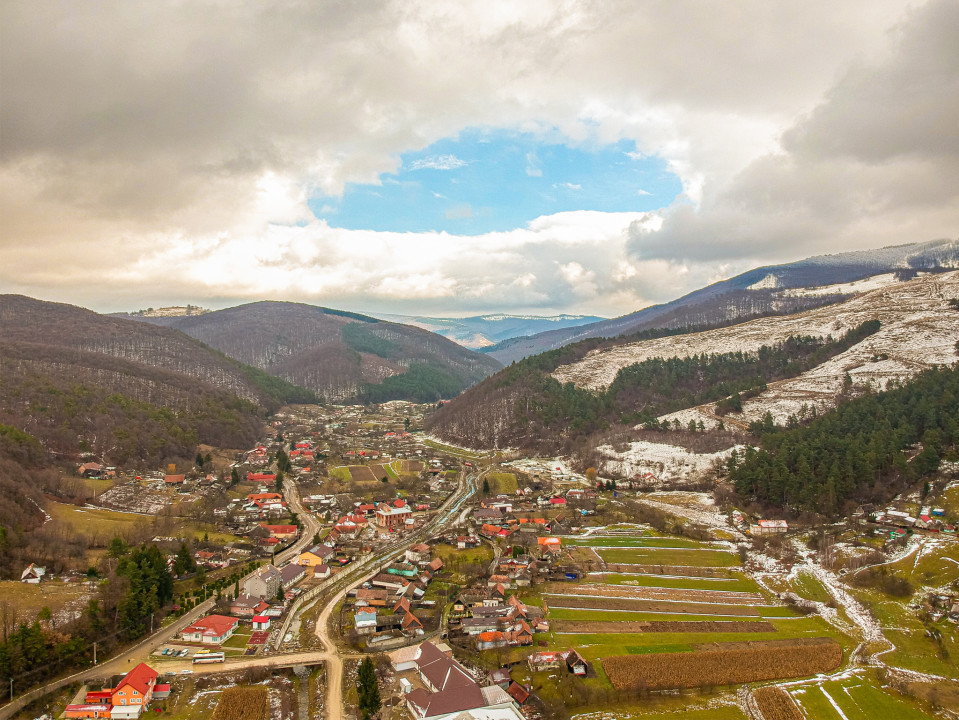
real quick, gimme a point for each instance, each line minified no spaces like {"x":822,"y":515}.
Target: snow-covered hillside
{"x":919,"y":329}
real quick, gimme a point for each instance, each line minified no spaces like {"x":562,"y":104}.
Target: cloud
{"x":180,"y":140}
{"x":533,"y":168}
{"x":643,"y":192}
{"x":441,"y":162}
{"x":876,"y":162}
{"x":460,"y":212}
{"x":568,"y":186}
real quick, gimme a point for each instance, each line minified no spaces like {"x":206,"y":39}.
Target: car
{"x":165,"y":651}
{"x":184,"y":652}
{"x":170,"y":673}
{"x":186,"y":672}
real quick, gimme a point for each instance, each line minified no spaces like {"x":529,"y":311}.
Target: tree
{"x":236,"y":588}
{"x":368,"y":689}
{"x":183,"y":562}
{"x":118,"y":548}
{"x":591,"y":474}
{"x":234,"y":477}
{"x":280,"y":594}
{"x":199,"y":460}
{"x":485,"y":486}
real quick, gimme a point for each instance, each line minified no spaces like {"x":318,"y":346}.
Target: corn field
{"x":724,"y":664}
{"x":776,"y":704}
{"x":243,"y":703}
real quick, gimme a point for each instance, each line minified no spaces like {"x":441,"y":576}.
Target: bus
{"x":202,"y":657}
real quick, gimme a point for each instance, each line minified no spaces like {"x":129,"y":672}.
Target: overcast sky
{"x":451,"y":158}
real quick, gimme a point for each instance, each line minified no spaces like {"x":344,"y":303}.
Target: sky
{"x":457,"y":158}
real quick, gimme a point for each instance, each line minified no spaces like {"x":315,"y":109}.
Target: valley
{"x":647,"y":563}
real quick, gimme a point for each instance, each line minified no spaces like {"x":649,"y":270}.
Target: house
{"x":466,"y":542}
{"x":281,"y":532}
{"x":768,"y":527}
{"x":213,"y":630}
{"x":264,"y":583}
{"x":261,"y":622}
{"x":321,"y":572}
{"x":263,"y":497}
{"x":316,"y":555}
{"x":136,"y":688}
{"x":436,"y":564}
{"x":388,"y":516}
{"x":90,"y":470}
{"x":374,"y":597}
{"x":420,"y":552}
{"x":412,"y":624}
{"x":88,"y":711}
{"x":33,"y":574}
{"x":266,"y":478}
{"x":247,"y":606}
{"x":290,"y":575}
{"x":365,"y":621}
{"x":545,"y":661}
{"x":448,"y":688}
{"x":174,"y":479}
{"x":519,"y":693}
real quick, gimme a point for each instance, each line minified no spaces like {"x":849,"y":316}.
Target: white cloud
{"x":533,"y":168}
{"x":180,"y":141}
{"x":440,"y":162}
{"x":643,"y":192}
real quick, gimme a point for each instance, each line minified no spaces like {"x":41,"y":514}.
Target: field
{"x":99,"y":526}
{"x":502,"y":482}
{"x":699,"y":609}
{"x":362,"y":473}
{"x":776,"y":704}
{"x":726,"y":664}
{"x":243,"y":703}
{"x":63,"y":599}
{"x":853,"y":698}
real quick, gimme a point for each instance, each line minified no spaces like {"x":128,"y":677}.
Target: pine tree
{"x":368,"y":689}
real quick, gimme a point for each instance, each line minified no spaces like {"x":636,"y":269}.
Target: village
{"x":500,"y":587}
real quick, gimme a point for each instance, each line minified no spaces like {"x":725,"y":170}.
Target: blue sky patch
{"x":486,"y":181}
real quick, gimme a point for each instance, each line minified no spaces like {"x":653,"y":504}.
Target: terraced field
{"x":667,"y":595}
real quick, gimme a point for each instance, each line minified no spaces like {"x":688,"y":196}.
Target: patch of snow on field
{"x":665,"y":462}
{"x":850,"y":288}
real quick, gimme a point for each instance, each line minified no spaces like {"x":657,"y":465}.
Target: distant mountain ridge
{"x":763,"y":290}
{"x":336,"y":354}
{"x":482,"y":331}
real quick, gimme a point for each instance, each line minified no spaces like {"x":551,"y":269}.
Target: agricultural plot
{"x":852,"y":698}
{"x":603,"y":541}
{"x":726,"y":664}
{"x":65,"y":600}
{"x":362,"y":473}
{"x":699,"y":557}
{"x":776,"y":704}
{"x":707,"y":610}
{"x":243,"y":703}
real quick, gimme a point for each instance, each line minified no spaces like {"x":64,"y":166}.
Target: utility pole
{"x":94,"y":653}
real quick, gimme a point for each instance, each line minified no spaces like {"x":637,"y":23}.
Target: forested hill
{"x":866,"y":450}
{"x":127,"y":392}
{"x":524,"y":406}
{"x":340,"y":355}
{"x":76,"y":335}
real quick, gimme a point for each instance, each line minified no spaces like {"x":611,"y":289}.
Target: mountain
{"x":791,"y":367}
{"x":772,"y":290}
{"x":338,"y":355}
{"x":483,"y":331}
{"x":124,"y":391}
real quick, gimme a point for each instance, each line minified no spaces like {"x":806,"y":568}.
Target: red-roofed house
{"x":213,"y":630}
{"x":260,"y":477}
{"x":174,"y":479}
{"x":136,"y":688}
{"x":98,"y":710}
{"x":282,"y":532}
{"x":261,"y":622}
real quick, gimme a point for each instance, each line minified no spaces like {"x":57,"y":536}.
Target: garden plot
{"x":852,"y":698}
{"x":658,"y":593}
{"x":362,"y":473}
{"x":702,"y":557}
{"x":671,"y":607}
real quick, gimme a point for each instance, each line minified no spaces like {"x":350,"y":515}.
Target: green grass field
{"x":857,"y":699}
{"x":340,"y":473}
{"x":671,"y":556}
{"x":738,"y":583}
{"x":502,"y":482}
{"x":808,"y":586}
{"x":646,"y":541}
